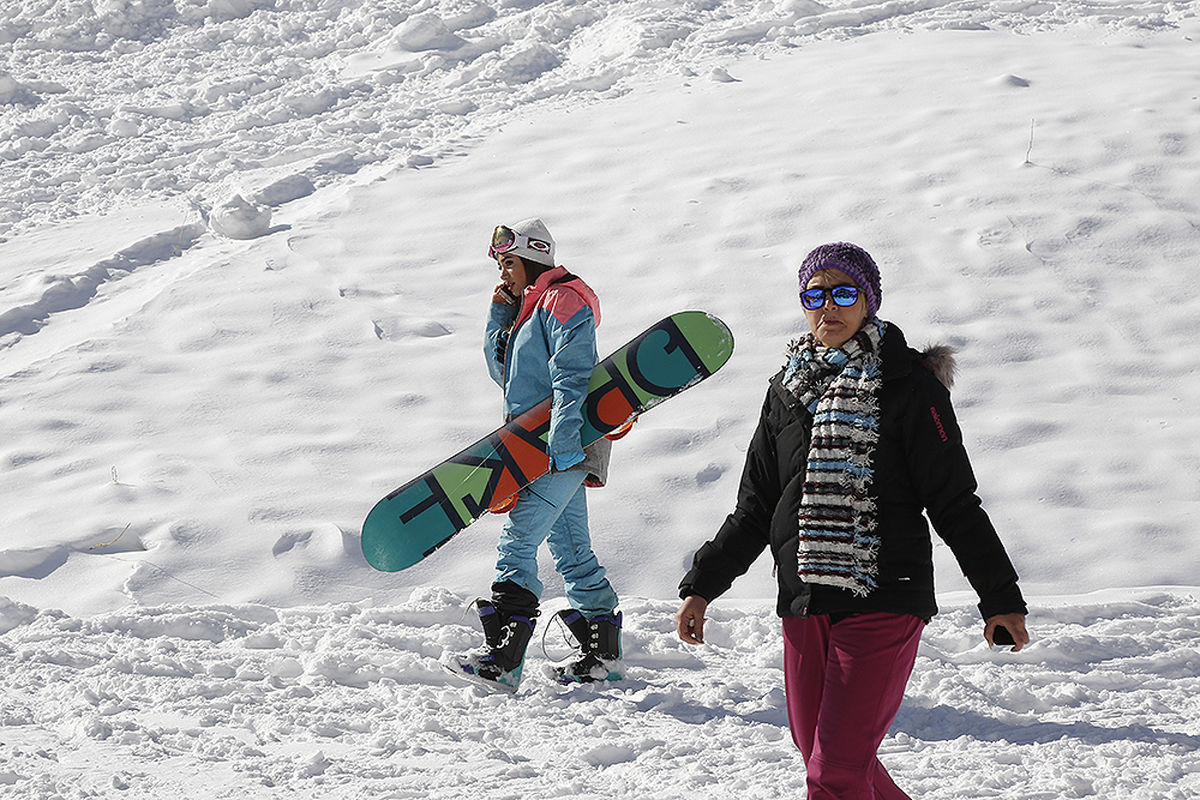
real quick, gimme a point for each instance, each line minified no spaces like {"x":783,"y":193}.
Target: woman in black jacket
{"x":856,"y":443}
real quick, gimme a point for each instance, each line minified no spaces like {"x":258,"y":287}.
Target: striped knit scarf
{"x":839,"y":545}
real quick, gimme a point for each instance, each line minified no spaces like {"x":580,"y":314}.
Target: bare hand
{"x":1015,"y":624}
{"x":503,"y":295}
{"x":689,"y":619}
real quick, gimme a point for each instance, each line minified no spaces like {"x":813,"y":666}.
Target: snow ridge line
{"x":67,"y":293}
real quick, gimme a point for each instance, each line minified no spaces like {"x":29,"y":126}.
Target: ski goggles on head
{"x":843,"y":296}
{"x":505,"y":239}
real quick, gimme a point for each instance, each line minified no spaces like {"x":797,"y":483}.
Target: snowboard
{"x":422,"y":515}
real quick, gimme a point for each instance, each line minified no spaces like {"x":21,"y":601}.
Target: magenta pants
{"x":844,"y":686}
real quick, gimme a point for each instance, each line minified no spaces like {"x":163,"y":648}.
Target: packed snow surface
{"x":243,"y":280}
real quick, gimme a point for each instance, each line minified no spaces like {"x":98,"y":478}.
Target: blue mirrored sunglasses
{"x":814,"y":298}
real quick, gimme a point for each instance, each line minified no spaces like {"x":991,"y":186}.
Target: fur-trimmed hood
{"x":940,"y":360}
{"x":899,"y":358}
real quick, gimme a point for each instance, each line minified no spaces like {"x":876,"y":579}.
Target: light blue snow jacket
{"x":551,"y":351}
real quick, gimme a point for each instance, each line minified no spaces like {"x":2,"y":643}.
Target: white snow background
{"x":243,"y":279}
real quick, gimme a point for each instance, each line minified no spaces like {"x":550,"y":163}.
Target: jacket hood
{"x":940,"y":360}
{"x":899,"y":357}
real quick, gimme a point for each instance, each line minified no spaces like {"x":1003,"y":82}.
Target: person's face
{"x":831,"y":324}
{"x":512,"y":273}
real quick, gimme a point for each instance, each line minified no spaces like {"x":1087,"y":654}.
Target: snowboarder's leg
{"x":593,"y":619}
{"x":599,"y":639}
{"x":508,"y":618}
{"x":499,"y":662}
{"x":538,"y":508}
{"x":570,"y":543}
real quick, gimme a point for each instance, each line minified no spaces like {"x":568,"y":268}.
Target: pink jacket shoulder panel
{"x":562,"y":300}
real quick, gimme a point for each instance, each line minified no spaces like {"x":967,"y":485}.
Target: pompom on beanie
{"x":850,"y":260}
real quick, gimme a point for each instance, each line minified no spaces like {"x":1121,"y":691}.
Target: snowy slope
{"x":347,"y":701}
{"x":196,"y":423}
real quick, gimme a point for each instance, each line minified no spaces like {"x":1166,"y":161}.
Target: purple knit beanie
{"x":852,"y":261}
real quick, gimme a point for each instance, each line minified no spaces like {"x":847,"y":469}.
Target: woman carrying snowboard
{"x":540,"y":342}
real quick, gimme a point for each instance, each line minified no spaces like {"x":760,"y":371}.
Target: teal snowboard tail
{"x":422,"y":515}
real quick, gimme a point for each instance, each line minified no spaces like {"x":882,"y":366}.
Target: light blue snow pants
{"x":553,"y":509}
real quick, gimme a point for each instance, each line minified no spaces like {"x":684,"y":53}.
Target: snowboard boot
{"x":498,"y":663}
{"x":600,"y":648}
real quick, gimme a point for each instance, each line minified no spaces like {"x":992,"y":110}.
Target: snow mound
{"x":238,"y":218}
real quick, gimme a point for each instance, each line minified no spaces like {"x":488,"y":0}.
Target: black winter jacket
{"x":920,"y":465}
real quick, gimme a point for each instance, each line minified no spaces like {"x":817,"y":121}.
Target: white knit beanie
{"x":539,"y":246}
